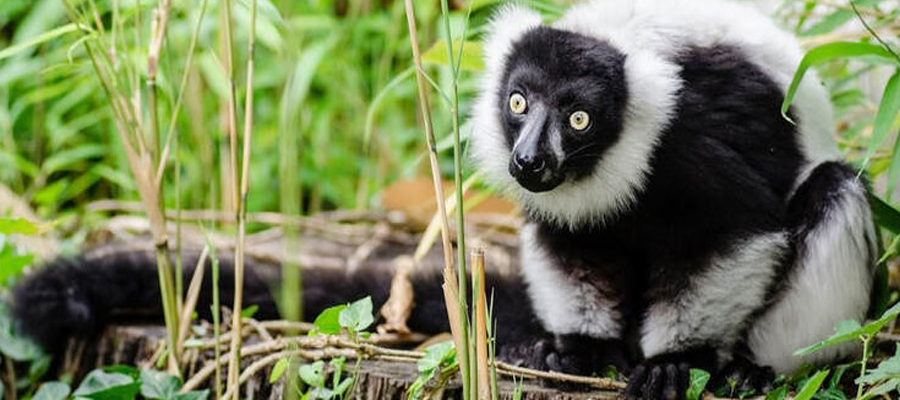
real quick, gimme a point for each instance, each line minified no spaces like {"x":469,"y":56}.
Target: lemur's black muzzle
{"x":532,"y":162}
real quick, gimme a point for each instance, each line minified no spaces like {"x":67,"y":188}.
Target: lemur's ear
{"x":507,"y":26}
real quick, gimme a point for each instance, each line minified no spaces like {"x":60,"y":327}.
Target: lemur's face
{"x":561,"y":100}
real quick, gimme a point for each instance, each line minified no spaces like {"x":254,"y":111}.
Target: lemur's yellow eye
{"x":517,"y":103}
{"x":579,"y":120}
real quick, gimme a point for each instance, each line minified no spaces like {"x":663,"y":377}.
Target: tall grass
{"x":328,"y":94}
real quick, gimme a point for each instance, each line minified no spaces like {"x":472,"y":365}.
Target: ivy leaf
{"x":52,"y":391}
{"x":193,"y":395}
{"x":699,"y":379}
{"x":436,"y":355}
{"x":313,"y":374}
{"x":12,"y":345}
{"x":100,"y":385}
{"x":358,"y":316}
{"x":159,"y":385}
{"x":327,"y":321}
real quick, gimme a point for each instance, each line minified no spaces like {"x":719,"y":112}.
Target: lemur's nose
{"x":529,"y":163}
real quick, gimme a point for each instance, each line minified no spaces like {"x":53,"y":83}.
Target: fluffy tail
{"x":78,"y":297}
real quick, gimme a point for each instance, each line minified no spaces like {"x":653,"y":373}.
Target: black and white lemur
{"x":674,"y":217}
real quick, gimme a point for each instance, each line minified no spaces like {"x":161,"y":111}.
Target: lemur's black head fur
{"x":562,"y":100}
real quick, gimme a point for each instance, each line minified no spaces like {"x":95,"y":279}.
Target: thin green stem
{"x":867,"y":339}
{"x":234,"y":382}
{"x":425,"y":108}
{"x":469,"y":387}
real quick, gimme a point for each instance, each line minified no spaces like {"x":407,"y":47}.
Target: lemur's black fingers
{"x":671,"y":387}
{"x":635,"y":381}
{"x":655,"y":380}
{"x":746,"y":376}
{"x":684,"y":378}
{"x":761,"y":379}
{"x":658,"y":381}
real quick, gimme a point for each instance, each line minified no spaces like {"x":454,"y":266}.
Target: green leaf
{"x":279,"y":369}
{"x":67,"y":158}
{"x":894,"y":170}
{"x":193,"y":395}
{"x":845,"y":331}
{"x":883,"y":389}
{"x":12,"y":345}
{"x":12,"y":265}
{"x":159,"y":385}
{"x":471,"y":57}
{"x":327,"y":321}
{"x":887,"y":113}
{"x":358,"y":316}
{"x":313,"y":374}
{"x":699,"y":379}
{"x":828,"y":52}
{"x":337,"y":368}
{"x":836,"y":19}
{"x":52,"y":391}
{"x":850,"y":330}
{"x":812,"y":385}
{"x":886,"y":215}
{"x":889,"y":368}
{"x":123,"y":369}
{"x":19,"y":226}
{"x":779,"y":393}
{"x":100,"y":385}
{"x":40,"y":39}
{"x":342,"y":387}
{"x":249,"y":312}
{"x":38,"y":368}
{"x":436,"y":355}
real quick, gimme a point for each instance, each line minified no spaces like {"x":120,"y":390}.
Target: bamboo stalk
{"x":451,"y":285}
{"x":481,"y":337}
{"x":469,"y":385}
{"x":234,"y":366}
{"x":154,"y":199}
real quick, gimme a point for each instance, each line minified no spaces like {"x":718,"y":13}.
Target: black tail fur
{"x":77,"y":297}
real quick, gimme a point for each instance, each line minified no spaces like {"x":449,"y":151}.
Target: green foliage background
{"x":320,"y":66}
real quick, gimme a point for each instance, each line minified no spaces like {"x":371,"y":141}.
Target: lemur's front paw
{"x":582,"y":355}
{"x":658,"y":380}
{"x":572,"y":354}
{"x":743,"y":375}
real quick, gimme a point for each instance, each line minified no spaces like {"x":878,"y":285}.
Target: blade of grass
{"x":43,"y":38}
{"x":828,"y":52}
{"x":216,"y":311}
{"x":887,"y":113}
{"x":190,"y":302}
{"x":886,"y":215}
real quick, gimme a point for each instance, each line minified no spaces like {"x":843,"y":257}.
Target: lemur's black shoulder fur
{"x":674,"y":217}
